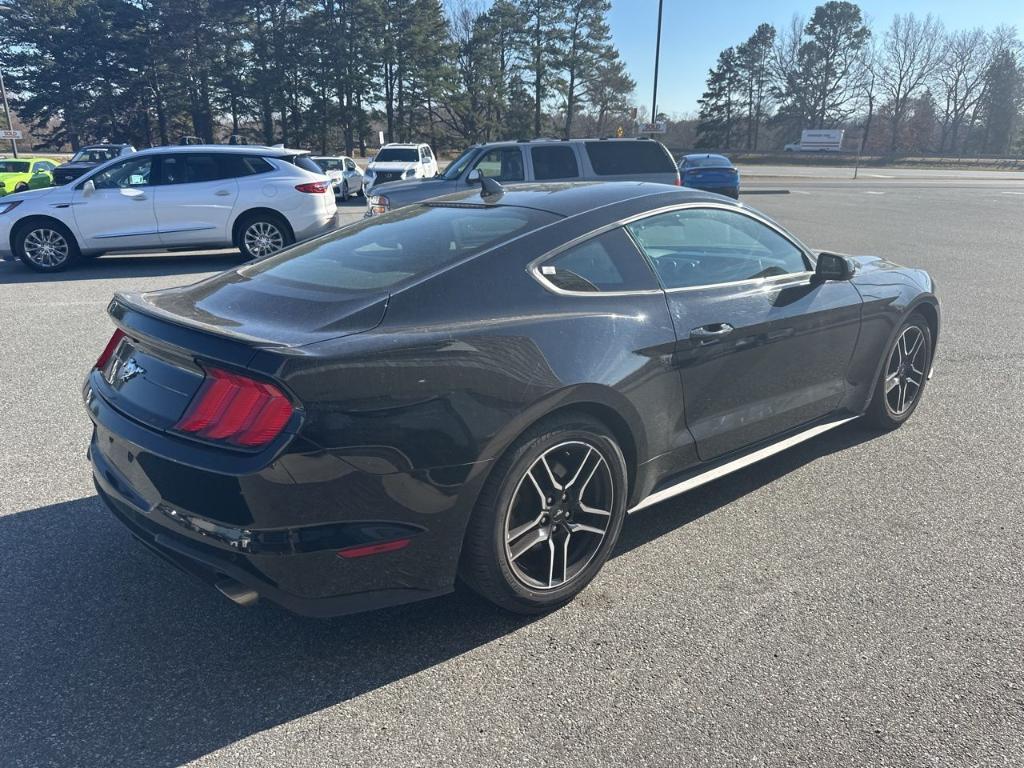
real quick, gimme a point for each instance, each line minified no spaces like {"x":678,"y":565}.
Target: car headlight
{"x":378,"y":204}
{"x":9,"y":206}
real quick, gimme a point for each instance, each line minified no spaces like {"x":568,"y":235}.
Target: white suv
{"x":400,"y":162}
{"x":258,"y":199}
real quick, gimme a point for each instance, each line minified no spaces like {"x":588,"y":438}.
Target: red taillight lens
{"x":679,"y":182}
{"x":314,"y":187}
{"x":236,"y":410}
{"x":108,"y":350}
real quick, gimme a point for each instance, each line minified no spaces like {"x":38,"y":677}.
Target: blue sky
{"x":694,"y":32}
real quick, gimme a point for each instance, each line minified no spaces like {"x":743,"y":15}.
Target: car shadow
{"x":117,"y":266}
{"x":111,"y":657}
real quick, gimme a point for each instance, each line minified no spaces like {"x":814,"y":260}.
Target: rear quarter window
{"x":629,"y":158}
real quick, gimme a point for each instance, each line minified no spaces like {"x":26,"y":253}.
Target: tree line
{"x":314,"y":73}
{"x":910,"y":87}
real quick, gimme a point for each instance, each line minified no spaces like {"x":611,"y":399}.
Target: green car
{"x":19,"y":174}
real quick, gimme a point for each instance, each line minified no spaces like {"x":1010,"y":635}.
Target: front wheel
{"x":344,"y":191}
{"x":548,"y":517}
{"x":46,"y":246}
{"x":263,"y":235}
{"x":904,"y":375}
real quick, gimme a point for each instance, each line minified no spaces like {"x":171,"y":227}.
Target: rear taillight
{"x":679,"y":182}
{"x":314,"y":187}
{"x":108,"y":350}
{"x":235,"y":409}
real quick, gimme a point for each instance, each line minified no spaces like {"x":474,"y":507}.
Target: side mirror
{"x":475,"y":176}
{"x":832,"y":266}
{"x":88,"y":188}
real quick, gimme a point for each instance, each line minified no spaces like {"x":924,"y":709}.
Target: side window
{"x":707,"y":246}
{"x":43,"y":167}
{"x":191,"y":169}
{"x":350,"y":164}
{"x":502,"y":164}
{"x":608,"y":262}
{"x":629,"y":157}
{"x":131,"y":173}
{"x":557,"y":162}
{"x":246,"y":165}
{"x":427,"y":153}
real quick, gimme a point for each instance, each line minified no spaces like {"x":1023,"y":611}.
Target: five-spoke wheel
{"x":904,"y":374}
{"x":559,"y":515}
{"x":548,"y":516}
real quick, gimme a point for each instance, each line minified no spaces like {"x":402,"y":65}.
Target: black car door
{"x":762,"y":347}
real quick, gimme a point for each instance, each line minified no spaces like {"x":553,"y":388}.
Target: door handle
{"x":139,"y":197}
{"x":711,"y":332}
{"x":222,"y":193}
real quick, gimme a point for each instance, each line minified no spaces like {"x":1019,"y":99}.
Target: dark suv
{"x":86,"y":158}
{"x":511,"y":162}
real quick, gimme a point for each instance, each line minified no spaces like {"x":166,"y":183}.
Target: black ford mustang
{"x":483,"y":386}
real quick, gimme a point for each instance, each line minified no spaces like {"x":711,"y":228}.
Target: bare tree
{"x":911,"y":52}
{"x":960,"y":82}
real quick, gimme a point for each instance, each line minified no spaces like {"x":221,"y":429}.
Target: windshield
{"x":397,"y":155}
{"x":708,"y":161}
{"x":10,"y":166}
{"x":459,"y":164}
{"x":385,"y":251}
{"x":94,"y":155}
{"x":329,"y":163}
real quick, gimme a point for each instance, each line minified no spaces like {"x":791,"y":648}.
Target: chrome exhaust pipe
{"x":237,"y":593}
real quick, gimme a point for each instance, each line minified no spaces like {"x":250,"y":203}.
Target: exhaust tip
{"x":237,"y":593}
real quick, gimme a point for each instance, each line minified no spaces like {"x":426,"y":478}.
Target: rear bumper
{"x":215,"y":564}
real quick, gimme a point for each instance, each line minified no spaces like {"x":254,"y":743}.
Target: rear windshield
{"x":95,"y":155}
{"x":330,"y":163}
{"x":380,"y":253}
{"x":707,"y":161}
{"x":303,"y":161}
{"x":9,"y":166}
{"x":397,"y":155}
{"x":628,"y":158}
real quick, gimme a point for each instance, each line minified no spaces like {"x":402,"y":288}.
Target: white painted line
{"x":1013,"y":193}
{"x":872,"y":192}
{"x":877,"y":176}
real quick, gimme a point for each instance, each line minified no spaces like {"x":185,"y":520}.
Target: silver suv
{"x":511,"y":162}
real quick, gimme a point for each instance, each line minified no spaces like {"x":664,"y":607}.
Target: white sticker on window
{"x":548,"y":270}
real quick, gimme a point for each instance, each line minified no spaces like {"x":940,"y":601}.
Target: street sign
{"x":659,"y":127}
{"x":10,"y":134}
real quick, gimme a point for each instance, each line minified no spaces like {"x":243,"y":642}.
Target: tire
{"x":46,"y":246}
{"x":580,"y":527}
{"x":344,"y":191}
{"x":904,"y":375}
{"x":21,"y":187}
{"x":261,"y":235}
{"x":362,"y":190}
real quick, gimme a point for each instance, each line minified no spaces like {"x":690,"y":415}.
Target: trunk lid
{"x":171,"y":336}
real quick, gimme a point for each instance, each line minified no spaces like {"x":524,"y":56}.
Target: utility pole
{"x":7,"y":111}
{"x":657,"y":58}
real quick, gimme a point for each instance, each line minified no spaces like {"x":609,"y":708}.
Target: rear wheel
{"x":548,"y":517}
{"x":904,"y":375}
{"x":46,"y":246}
{"x":263,"y":234}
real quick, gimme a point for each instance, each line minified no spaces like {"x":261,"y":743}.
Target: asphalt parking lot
{"x":855,"y":601}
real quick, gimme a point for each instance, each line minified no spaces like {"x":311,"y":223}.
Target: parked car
{"x":712,"y":173}
{"x":345,"y":176}
{"x":258,"y":199}
{"x":537,"y":160}
{"x":86,"y":158}
{"x":395,"y":162}
{"x":23,"y":173}
{"x":484,"y":385}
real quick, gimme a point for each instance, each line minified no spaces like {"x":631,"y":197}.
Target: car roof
{"x":233,"y":149}
{"x":571,"y":198}
{"x":26,"y":158}
{"x":404,"y":146}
